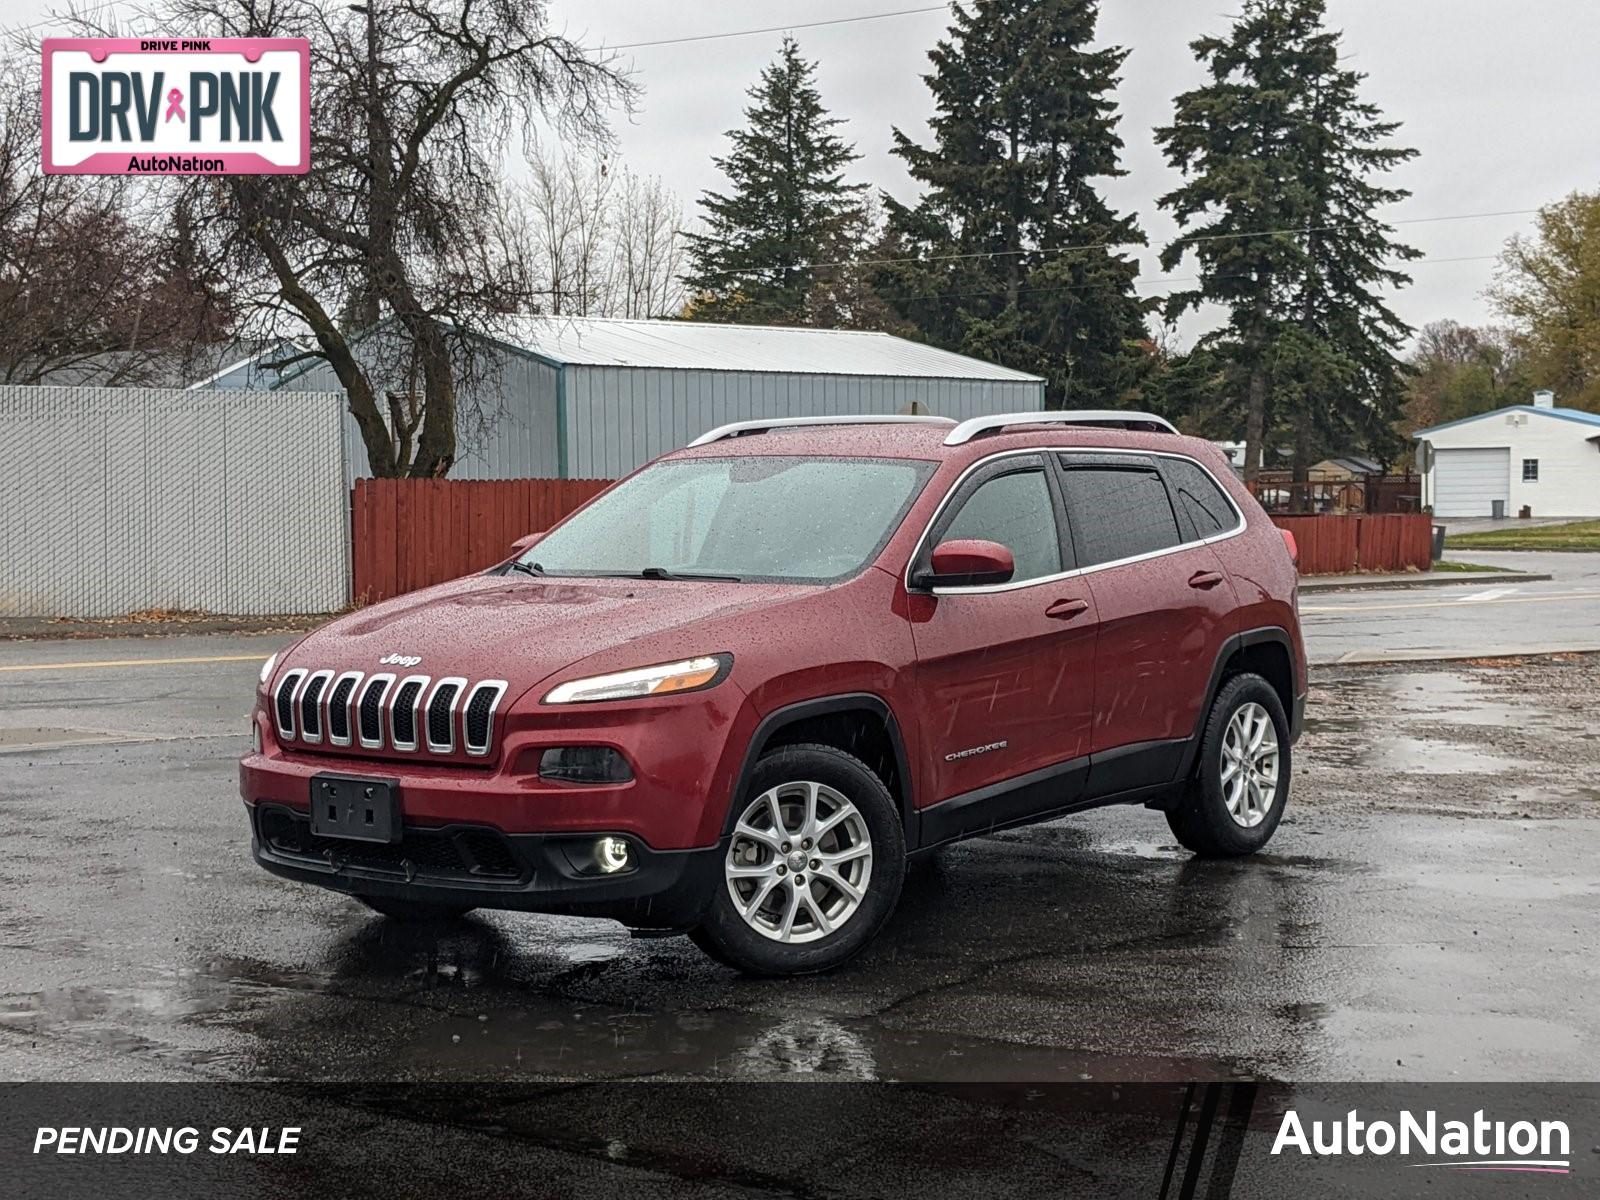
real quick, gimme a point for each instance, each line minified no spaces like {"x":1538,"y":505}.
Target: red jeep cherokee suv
{"x":733,"y":693}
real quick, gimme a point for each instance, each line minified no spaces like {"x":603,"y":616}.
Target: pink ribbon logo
{"x":175,"y":105}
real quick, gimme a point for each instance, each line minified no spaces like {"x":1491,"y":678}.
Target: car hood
{"x":524,"y":629}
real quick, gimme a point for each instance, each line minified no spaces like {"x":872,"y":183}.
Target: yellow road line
{"x":1456,"y":603}
{"x":132,"y":662}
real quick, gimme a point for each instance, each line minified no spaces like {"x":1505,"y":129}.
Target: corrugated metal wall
{"x":621,"y":417}
{"x":124,"y":499}
{"x":507,"y":432}
{"x":618,"y":418}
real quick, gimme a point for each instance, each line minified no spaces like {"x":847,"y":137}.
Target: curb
{"x":1339,"y":583}
{"x":1366,"y":658}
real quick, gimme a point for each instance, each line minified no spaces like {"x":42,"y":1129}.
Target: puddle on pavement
{"x":1454,"y":698}
{"x":1157,"y":850}
{"x":1431,"y":756}
{"x":1381,"y":742}
{"x":578,"y":1042}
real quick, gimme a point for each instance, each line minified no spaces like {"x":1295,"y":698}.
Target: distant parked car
{"x":735,"y":692}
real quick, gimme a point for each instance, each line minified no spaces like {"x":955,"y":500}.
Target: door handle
{"x":1205,"y":579}
{"x":1065,"y":610}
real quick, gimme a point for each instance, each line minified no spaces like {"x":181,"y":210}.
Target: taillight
{"x":1292,"y":546}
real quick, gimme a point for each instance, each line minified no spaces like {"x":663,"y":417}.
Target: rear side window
{"x":1118,"y":512}
{"x":1016,"y":511}
{"x":1197,"y":494}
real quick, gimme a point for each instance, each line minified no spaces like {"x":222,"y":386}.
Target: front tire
{"x":415,"y":912}
{"x":1235,"y":800}
{"x":813,"y":868}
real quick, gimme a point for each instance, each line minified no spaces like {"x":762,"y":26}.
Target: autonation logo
{"x":1476,"y":1145}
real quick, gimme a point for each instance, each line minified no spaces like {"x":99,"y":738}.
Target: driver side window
{"x":1015,"y":510}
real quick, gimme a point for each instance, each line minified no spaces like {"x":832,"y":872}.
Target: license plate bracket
{"x":355,"y":809}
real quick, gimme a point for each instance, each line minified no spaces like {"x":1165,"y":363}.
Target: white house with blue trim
{"x":1535,"y":456}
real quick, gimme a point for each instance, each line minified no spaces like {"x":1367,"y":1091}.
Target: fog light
{"x":613,"y":855}
{"x":255,"y":735}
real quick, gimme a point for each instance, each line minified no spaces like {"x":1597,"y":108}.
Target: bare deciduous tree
{"x":606,"y":241}
{"x":394,"y":253}
{"x":88,"y":292}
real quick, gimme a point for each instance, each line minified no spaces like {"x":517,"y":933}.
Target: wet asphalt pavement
{"x":1426,"y":911}
{"x":1509,"y":616}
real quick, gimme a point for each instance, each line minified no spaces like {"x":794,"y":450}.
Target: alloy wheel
{"x":799,"y":863}
{"x":1250,"y":765}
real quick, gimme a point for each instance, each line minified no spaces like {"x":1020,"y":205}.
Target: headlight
{"x":266,"y":669}
{"x":685,"y":676}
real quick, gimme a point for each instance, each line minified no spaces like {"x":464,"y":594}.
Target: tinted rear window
{"x":1118,"y":512}
{"x":1200,"y":498}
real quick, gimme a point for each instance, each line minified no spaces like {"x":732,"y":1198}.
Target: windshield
{"x":755,"y":518}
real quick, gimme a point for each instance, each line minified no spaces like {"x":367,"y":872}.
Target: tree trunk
{"x":436,"y":444}
{"x":1301,"y":489}
{"x":1255,"y":420}
{"x":362,"y":400}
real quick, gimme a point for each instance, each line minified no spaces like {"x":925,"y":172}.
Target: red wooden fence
{"x":409,"y":533}
{"x":1332,"y":545}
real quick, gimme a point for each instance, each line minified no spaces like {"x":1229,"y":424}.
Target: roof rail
{"x":1109,"y":418}
{"x":739,"y":427}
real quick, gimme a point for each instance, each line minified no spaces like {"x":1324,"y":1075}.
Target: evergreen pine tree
{"x":788,"y":206}
{"x":1279,"y":210}
{"x":1015,"y":253}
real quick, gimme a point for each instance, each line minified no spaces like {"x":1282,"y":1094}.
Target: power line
{"x":134,"y":10}
{"x":1084,"y":247}
{"x":738,"y":33}
{"x":699,"y":37}
{"x":1057,"y":289}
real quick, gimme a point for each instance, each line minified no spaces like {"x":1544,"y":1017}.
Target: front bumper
{"x":480,"y":867}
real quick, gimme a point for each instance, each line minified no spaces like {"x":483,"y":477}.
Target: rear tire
{"x":416,"y":912}
{"x":1235,"y":799}
{"x":811,"y":906}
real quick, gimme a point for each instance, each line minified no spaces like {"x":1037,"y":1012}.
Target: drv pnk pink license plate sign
{"x":177,"y":106}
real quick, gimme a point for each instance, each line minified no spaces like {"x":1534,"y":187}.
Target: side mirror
{"x":967,"y":562}
{"x":525,"y":543}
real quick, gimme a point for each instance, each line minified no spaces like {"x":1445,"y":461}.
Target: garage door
{"x":1466,"y":483}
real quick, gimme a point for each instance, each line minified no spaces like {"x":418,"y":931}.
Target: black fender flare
{"x":822,"y":706}
{"x":1232,"y":645}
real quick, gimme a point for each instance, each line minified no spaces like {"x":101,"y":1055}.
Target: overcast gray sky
{"x":1502,"y":99}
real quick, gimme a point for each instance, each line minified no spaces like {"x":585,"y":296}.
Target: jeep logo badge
{"x":399,"y":660}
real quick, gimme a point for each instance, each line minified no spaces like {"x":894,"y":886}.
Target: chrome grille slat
{"x":309,"y":705}
{"x":441,"y":714}
{"x":477,"y":716}
{"x":403,"y":711}
{"x":284,"y":702}
{"x":341,"y":704}
{"x":370,"y":710}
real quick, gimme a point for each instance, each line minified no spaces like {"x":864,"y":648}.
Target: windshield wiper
{"x":663,"y":573}
{"x":527,"y":568}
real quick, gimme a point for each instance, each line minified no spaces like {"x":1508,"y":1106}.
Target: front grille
{"x":284,"y":702}
{"x":414,"y":714}
{"x":459,"y":852}
{"x":310,"y":707}
{"x":372,"y":709}
{"x":441,"y":715}
{"x":339,"y":709}
{"x":478,"y":722}
{"x":404,"y":720}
